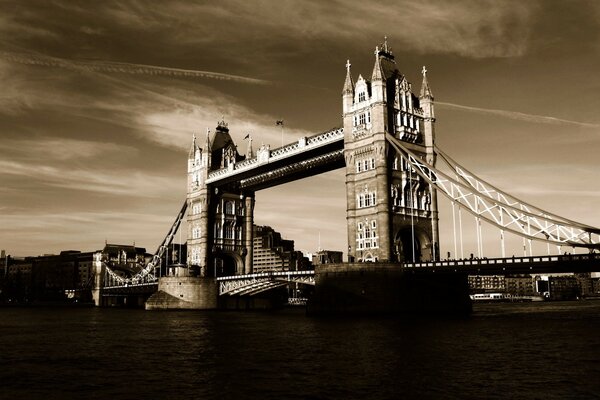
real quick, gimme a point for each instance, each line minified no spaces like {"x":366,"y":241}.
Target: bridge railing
{"x":301,"y":145}
{"x":508,"y":260}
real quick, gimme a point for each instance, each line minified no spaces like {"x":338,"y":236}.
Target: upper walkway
{"x":305,"y":157}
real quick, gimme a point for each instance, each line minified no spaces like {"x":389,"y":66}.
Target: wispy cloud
{"x":118,"y":183}
{"x":121,"y":67}
{"x":60,"y":149}
{"x":520,"y":116}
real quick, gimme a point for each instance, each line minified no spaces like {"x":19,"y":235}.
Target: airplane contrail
{"x":126,"y":68}
{"x":520,"y":116}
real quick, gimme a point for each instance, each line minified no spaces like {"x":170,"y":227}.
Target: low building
{"x":520,"y":285}
{"x":487,"y":283}
{"x":564,"y":288}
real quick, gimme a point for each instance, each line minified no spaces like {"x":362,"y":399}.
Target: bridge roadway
{"x":255,"y":283}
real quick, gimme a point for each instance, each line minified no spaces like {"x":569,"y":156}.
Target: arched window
{"x":229,"y":208}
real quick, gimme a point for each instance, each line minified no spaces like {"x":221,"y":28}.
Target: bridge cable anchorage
{"x":521,"y":219}
{"x":146,"y":275}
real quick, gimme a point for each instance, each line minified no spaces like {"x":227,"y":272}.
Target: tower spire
{"x":425,"y":89}
{"x":193,"y":148}
{"x":349,"y":84}
{"x":377,"y":72}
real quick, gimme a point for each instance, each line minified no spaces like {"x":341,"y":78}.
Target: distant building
{"x":520,"y":285}
{"x":487,"y":283}
{"x":326,"y":257}
{"x":271,"y":252}
{"x":564,"y":288}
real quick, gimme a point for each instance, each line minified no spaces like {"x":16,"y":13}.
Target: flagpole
{"x":280,"y":123}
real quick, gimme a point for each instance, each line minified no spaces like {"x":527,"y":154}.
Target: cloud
{"x":520,"y":116}
{"x":117,"y":183}
{"x":121,"y":67}
{"x":60,"y":149}
{"x":467,"y":28}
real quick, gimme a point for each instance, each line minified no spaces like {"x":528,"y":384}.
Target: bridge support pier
{"x":184,"y":292}
{"x":386,"y":288}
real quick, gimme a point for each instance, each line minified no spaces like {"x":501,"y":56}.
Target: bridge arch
{"x":226,"y":263}
{"x":409,"y":239}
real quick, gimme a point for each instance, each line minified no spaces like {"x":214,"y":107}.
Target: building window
{"x":372,"y":163}
{"x":366,"y":199}
{"x":358,"y":166}
{"x":229,"y":208}
{"x":362,"y":119}
{"x":361,"y":96}
{"x":196,"y":208}
{"x":195,"y":232}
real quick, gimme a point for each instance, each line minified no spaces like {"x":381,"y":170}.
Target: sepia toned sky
{"x":99,"y":100}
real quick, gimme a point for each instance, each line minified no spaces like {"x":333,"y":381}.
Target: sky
{"x":99,"y":101}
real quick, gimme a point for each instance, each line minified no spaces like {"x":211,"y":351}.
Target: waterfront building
{"x":520,"y":285}
{"x":271,"y":252}
{"x":565,"y":287}
{"x":487,"y":283}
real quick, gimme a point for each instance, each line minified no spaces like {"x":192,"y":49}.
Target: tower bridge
{"x":387,"y":147}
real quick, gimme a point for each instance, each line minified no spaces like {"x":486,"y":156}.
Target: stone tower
{"x":220,"y":218}
{"x":391,"y":211}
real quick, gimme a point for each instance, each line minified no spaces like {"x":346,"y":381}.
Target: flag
{"x":247,"y":136}
{"x":279,"y":122}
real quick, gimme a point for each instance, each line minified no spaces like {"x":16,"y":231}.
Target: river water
{"x":503,"y":351}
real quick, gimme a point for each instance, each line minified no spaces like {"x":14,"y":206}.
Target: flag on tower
{"x":279,"y":122}
{"x":247,"y":136}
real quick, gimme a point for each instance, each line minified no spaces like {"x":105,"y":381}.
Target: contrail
{"x":521,"y":116}
{"x":125,"y":68}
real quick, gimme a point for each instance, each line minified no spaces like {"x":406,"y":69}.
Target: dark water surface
{"x":503,"y":351}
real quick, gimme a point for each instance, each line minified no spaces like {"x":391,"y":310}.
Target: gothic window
{"x":374,"y":224}
{"x":361,"y":96}
{"x":368,"y":117}
{"x":362,"y":119}
{"x":355,"y":120}
{"x":358,"y":166}
{"x":366,"y":164}
{"x":372,"y":163}
{"x":229,"y":208}
{"x":228,"y":231}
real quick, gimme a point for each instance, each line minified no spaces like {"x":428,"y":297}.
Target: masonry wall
{"x":384,"y":288}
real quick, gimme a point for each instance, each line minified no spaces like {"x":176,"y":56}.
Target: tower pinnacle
{"x":348,"y":84}
{"x":425,"y":89}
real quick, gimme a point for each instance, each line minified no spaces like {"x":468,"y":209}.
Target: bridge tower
{"x":391,"y":211}
{"x":220,"y":218}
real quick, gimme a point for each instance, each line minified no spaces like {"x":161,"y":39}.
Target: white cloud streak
{"x":520,"y":116}
{"x":135,"y":184}
{"x":125,"y":68}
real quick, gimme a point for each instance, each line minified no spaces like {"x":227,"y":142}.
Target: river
{"x":503,"y":351}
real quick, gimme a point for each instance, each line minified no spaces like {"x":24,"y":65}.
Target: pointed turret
{"x":193,"y":148}
{"x":208,"y":148}
{"x":349,"y":83}
{"x":425,"y":89}
{"x":377,"y":74}
{"x":348,"y":92}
